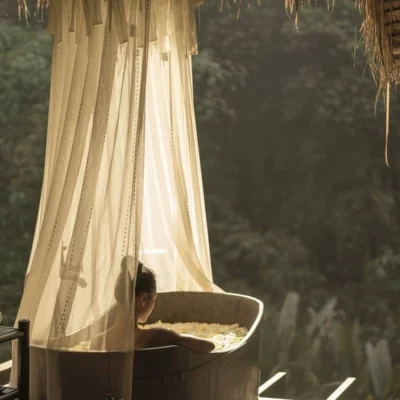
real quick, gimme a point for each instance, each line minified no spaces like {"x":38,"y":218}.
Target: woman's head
{"x":145,"y":293}
{"x":145,"y":289}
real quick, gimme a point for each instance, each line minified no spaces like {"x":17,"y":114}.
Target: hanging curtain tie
{"x":120,"y":20}
{"x":387,"y":123}
{"x":92,"y":13}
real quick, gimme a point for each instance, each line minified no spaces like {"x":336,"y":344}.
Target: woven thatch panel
{"x":381,"y":32}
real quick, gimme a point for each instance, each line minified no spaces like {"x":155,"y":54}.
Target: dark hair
{"x":145,"y":281}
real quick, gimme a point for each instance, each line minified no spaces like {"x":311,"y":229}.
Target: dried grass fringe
{"x":23,"y":10}
{"x":42,"y":5}
{"x":380,"y":29}
{"x":381,"y":32}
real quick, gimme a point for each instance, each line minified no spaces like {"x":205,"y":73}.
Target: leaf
{"x":392,"y":390}
{"x":350,"y":348}
{"x":356,"y":345}
{"x":311,"y":354}
{"x":380,"y":365}
{"x":287,"y":325}
{"x":289,"y":312}
{"x":325,"y":314}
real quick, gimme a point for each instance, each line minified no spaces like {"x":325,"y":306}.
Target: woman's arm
{"x":164,"y":337}
{"x":195,"y":343}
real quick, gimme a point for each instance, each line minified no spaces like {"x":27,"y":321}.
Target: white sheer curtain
{"x":174,"y":233}
{"x":122,"y":172}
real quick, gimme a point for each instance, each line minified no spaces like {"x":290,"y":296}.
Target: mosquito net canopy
{"x":122,"y":174}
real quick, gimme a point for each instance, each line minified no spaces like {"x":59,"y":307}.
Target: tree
{"x":299,"y":161}
{"x":24,"y":91}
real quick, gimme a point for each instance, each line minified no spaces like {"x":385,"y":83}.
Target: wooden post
{"x":23,"y":373}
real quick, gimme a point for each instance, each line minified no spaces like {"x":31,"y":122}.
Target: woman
{"x":145,"y":297}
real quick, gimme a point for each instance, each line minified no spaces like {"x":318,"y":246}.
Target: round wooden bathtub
{"x":167,"y":373}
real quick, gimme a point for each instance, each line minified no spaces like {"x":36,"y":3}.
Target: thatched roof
{"x":381,"y":32}
{"x":380,"y":29}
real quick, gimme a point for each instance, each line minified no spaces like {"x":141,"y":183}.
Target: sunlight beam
{"x":335,"y":395}
{"x":270,"y":382}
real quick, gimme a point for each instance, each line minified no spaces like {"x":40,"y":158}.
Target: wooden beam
{"x":5,"y":370}
{"x":339,"y":391}
{"x":270,"y":382}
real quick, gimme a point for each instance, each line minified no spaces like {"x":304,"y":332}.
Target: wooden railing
{"x":5,"y":370}
{"x":270,"y":382}
{"x":22,"y":335}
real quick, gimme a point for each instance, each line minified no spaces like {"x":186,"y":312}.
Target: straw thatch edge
{"x":42,"y":5}
{"x":377,"y":32}
{"x":385,"y":67}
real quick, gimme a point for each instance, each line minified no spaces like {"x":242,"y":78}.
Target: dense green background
{"x":298,"y":197}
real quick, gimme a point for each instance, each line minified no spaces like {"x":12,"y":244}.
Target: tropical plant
{"x":320,"y":350}
{"x":384,"y":377}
